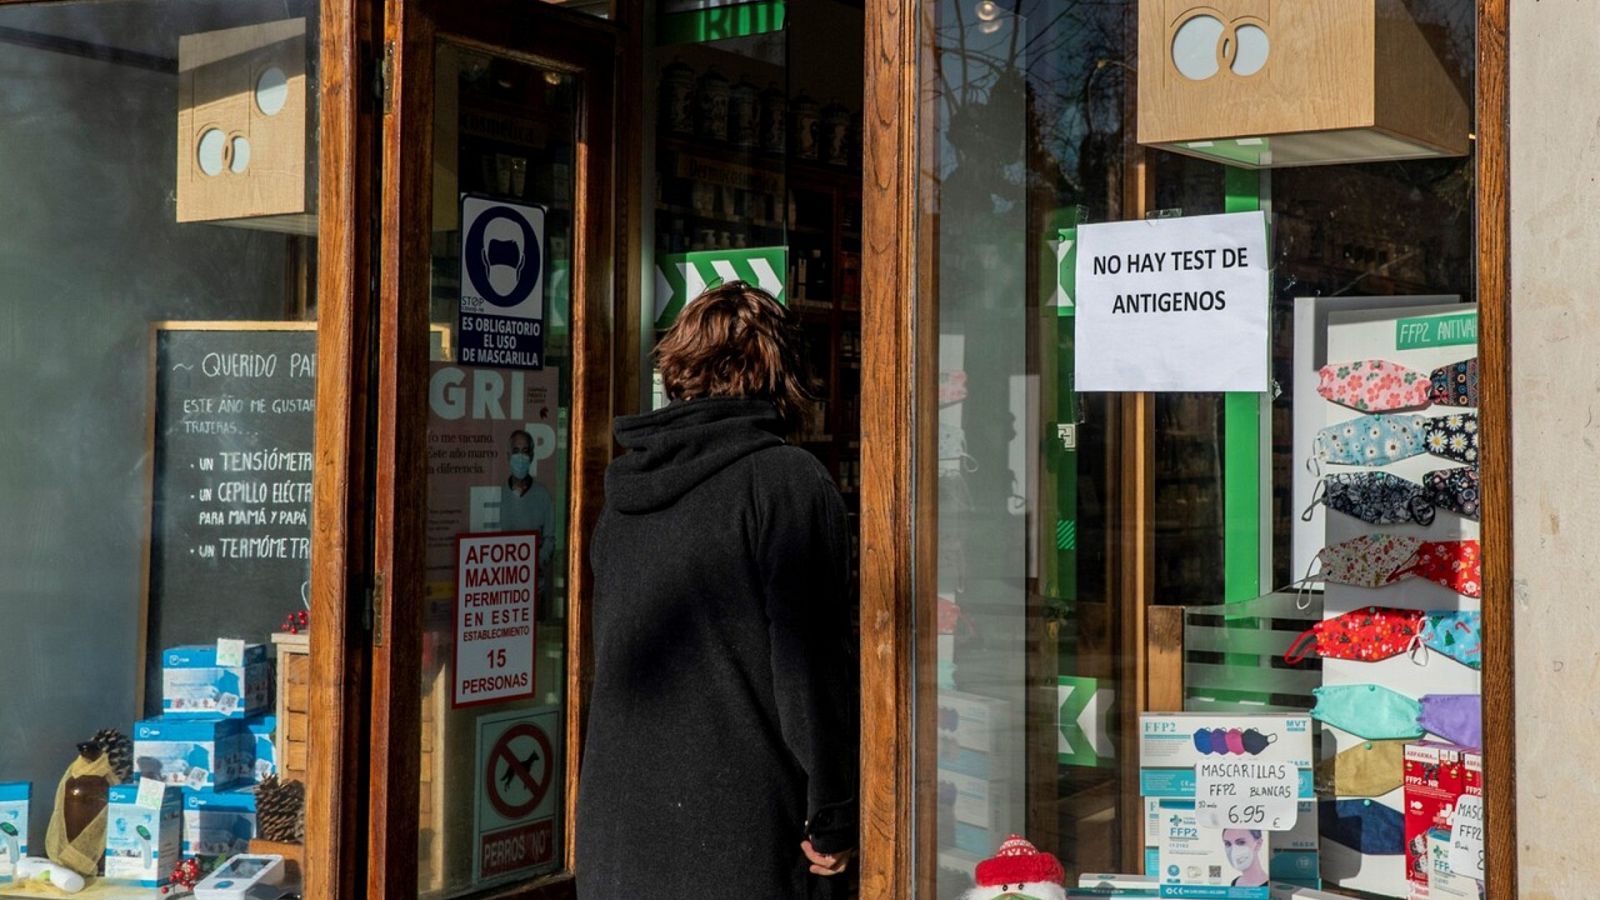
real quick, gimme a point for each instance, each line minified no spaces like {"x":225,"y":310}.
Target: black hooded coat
{"x":722,"y":726}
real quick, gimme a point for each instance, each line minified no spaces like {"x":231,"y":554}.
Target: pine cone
{"x":118,"y":749}
{"x":280,"y":811}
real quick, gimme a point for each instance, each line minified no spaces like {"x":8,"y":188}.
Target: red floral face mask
{"x":1369,"y":634}
{"x":1454,"y":564}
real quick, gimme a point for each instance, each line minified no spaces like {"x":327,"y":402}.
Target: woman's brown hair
{"x":735,"y":340}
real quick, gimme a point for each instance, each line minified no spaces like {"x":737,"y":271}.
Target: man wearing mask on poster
{"x":525,"y":505}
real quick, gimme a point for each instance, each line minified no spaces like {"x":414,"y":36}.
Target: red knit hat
{"x":1019,"y":862}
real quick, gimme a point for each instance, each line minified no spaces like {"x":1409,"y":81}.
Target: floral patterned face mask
{"x":1369,"y":634}
{"x":1377,"y":498}
{"x":1453,"y":437}
{"x":1458,"y":565}
{"x":1368,"y":561}
{"x":1378,"y":440}
{"x":1374,"y":385}
{"x":1455,"y":490}
{"x":1371,"y":440}
{"x":1377,"y":385}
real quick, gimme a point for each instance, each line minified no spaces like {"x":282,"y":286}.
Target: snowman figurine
{"x":1018,"y":871}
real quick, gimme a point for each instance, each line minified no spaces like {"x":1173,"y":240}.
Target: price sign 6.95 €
{"x":1247,"y":794}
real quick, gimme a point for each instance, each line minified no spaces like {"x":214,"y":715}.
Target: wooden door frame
{"x":896,"y":521}
{"x":336,"y":812}
{"x":544,"y":35}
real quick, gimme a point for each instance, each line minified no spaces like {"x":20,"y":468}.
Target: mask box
{"x":1200,"y":862}
{"x":972,"y":735}
{"x":1295,"y":858}
{"x":1434,"y":780}
{"x":975,"y":771}
{"x":142,"y":842}
{"x":194,"y":686}
{"x":1443,"y":884}
{"x":215,"y":753}
{"x":218,"y":823}
{"x":14,"y":799}
{"x":1136,"y":885}
{"x":1285,"y":891}
{"x":264,"y":731}
{"x":1172,"y":744}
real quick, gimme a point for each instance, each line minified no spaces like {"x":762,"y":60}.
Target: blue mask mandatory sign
{"x":502,"y":284}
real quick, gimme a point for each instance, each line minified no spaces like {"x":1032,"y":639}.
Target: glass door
{"x":497,"y":309}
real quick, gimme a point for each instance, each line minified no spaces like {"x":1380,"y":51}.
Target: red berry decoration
{"x":296,"y":622}
{"x":186,"y":874}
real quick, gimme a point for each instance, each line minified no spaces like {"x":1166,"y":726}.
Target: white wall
{"x":1555,"y":321}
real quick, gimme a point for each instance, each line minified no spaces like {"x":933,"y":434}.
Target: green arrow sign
{"x":681,"y":277}
{"x":1084,"y":714}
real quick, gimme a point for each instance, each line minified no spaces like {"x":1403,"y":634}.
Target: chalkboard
{"x":232,"y":424}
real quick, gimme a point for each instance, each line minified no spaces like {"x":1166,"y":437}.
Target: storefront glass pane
{"x":160,"y":365}
{"x":1108,"y":555}
{"x":495,"y":627}
{"x":601,"y":8}
{"x":757,"y":176}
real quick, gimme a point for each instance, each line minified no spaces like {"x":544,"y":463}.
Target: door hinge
{"x":373,"y":614}
{"x":383,"y":78}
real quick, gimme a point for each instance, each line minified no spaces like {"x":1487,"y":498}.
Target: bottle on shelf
{"x":817,"y":286}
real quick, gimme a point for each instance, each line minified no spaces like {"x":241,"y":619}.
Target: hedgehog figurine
{"x":118,"y":750}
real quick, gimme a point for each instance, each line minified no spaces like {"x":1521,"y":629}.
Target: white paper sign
{"x":496,"y":587}
{"x":151,"y":792}
{"x":1466,"y":838}
{"x":1173,"y":305}
{"x":230,"y":653}
{"x":1245,"y":793}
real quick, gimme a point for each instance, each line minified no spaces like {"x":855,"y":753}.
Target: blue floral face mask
{"x":1368,"y":711}
{"x":1457,"y":633}
{"x":1363,"y":825}
{"x":1372,"y":440}
{"x":1378,"y":440}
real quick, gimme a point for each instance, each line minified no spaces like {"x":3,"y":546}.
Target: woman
{"x":721,"y":753}
{"x":1243,"y":846}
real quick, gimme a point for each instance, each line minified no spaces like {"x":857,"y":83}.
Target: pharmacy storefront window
{"x":1207,"y":575}
{"x":160,"y":371}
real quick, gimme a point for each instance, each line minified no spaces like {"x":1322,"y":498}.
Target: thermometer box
{"x":218,"y":823}
{"x":1194,"y":862}
{"x":14,"y":799}
{"x":194,"y":686}
{"x":142,"y":842}
{"x":197,"y":754}
{"x":264,"y":731}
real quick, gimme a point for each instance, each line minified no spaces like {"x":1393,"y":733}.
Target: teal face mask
{"x":1368,"y":711}
{"x":520,"y":464}
{"x":1457,"y":634}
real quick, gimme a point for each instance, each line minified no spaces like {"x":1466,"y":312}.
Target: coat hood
{"x":673,"y":450}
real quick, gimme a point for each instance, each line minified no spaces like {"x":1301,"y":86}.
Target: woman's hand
{"x":823,"y":864}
